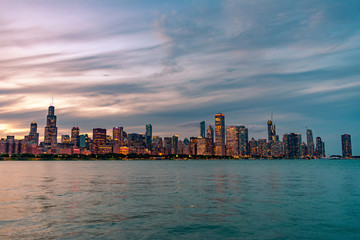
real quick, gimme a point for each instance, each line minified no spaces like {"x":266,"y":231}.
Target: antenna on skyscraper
{"x":272,"y":117}
{"x":52,"y":101}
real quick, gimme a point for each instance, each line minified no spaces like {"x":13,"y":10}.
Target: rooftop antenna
{"x":272,"y":117}
{"x":52,"y":101}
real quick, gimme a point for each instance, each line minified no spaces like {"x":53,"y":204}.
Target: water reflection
{"x":164,"y":199}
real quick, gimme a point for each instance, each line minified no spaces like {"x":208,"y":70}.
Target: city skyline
{"x":224,"y":141}
{"x":175,"y":64}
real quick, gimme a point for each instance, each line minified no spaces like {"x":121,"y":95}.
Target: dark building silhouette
{"x":346,"y":145}
{"x":243,"y":141}
{"x":292,"y":145}
{"x":310,"y":143}
{"x":320,"y":148}
{"x":148,"y":136}
{"x":202,"y":129}
{"x":271,"y":131}
{"x":75,"y":136}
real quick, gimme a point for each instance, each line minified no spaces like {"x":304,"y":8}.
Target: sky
{"x":175,"y":63}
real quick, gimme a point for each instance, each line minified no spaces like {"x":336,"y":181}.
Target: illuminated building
{"x":175,"y":144}
{"x":33,"y":136}
{"x":253,"y":148}
{"x":193,"y":146}
{"x":148,"y":136}
{"x":271,"y":131}
{"x":104,"y":149}
{"x":346,"y":145}
{"x":243,"y":141}
{"x":65,"y":139}
{"x":118,"y":136}
{"x":232,"y":141}
{"x":320,"y":148}
{"x":50,"y":136}
{"x":310,"y":143}
{"x":203,"y":146}
{"x":157,"y":145}
{"x":99,"y":138}
{"x":210,"y":133}
{"x":292,"y":145}
{"x":202,"y":129}
{"x":136,"y":139}
{"x":75,"y":133}
{"x":220,"y":134}
{"x":83,"y":141}
{"x":262,"y":147}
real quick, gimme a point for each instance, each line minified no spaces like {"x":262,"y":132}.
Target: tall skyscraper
{"x":148,"y":136}
{"x":83,"y":141}
{"x":175,"y":144}
{"x":118,"y":136}
{"x":346,"y":145}
{"x":320,"y":148}
{"x":243,"y":141}
{"x":310,"y":142}
{"x":271,"y":131}
{"x":292,"y":145}
{"x":33,"y":135}
{"x":99,"y":138}
{"x":75,"y":134}
{"x":220,"y":134}
{"x":232,"y":141}
{"x":50,"y":136}
{"x":202,"y":129}
{"x":210,"y":133}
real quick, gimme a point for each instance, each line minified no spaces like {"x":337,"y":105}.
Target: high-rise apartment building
{"x":75,"y":134}
{"x":33,"y":136}
{"x":320,"y":148}
{"x":99,"y":138}
{"x":243,"y":141}
{"x":210,"y":133}
{"x":175,"y":144}
{"x":50,"y":136}
{"x":346,"y":145}
{"x":220,"y":134}
{"x":202,"y":129}
{"x":292,"y":145}
{"x":271,"y":131}
{"x":310,"y":143}
{"x":118,"y":136}
{"x":232,"y":141}
{"x":148,"y":136}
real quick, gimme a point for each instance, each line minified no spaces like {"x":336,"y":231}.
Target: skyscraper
{"x":75,"y":133}
{"x":232,"y":141}
{"x":118,"y":136}
{"x":271,"y":131}
{"x":220,"y":134}
{"x":33,"y":135}
{"x":310,"y":142}
{"x":346,"y":145}
{"x":148,"y":136}
{"x":292,"y":145}
{"x":320,"y":148}
{"x":50,"y":136}
{"x":175,"y":144}
{"x":243,"y":141}
{"x":202,"y":129}
{"x":99,"y":138}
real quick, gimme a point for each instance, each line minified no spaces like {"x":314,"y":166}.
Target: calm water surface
{"x":252,"y":199}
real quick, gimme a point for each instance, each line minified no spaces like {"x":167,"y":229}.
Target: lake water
{"x":223,"y":199}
